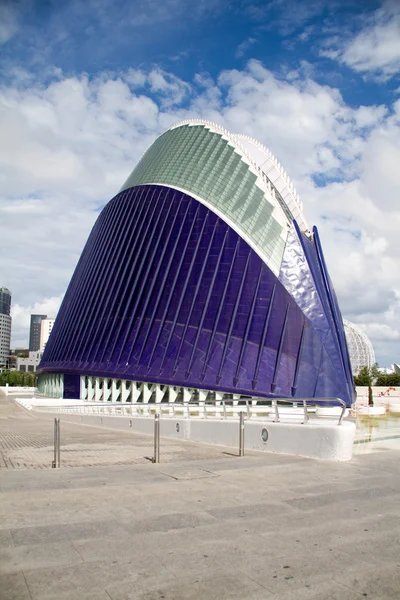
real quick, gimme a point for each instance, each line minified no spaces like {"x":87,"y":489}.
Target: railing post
{"x":275,"y":405}
{"x":305,"y":411}
{"x":156,"y":458}
{"x":343,"y":411}
{"x":248,"y":409}
{"x":57,"y":444}
{"x":241,"y":433}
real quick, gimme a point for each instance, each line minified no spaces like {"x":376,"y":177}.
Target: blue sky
{"x":85,"y":87}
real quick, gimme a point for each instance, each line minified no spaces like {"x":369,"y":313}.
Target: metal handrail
{"x":220,"y":407}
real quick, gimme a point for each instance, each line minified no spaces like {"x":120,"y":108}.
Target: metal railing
{"x":57,"y":444}
{"x":278,"y":410}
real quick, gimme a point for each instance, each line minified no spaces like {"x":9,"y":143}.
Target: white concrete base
{"x":9,"y":390}
{"x":324,"y":440}
{"x":372,"y":411}
{"x":32,"y":403}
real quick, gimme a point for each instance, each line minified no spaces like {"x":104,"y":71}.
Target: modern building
{"x":34,"y":332}
{"x":200,"y":281}
{"x":30,"y":363}
{"x":46,"y":327}
{"x":360,"y":347}
{"x":5,"y":325}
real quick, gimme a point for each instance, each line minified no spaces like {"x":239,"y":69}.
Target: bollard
{"x":57,"y":440}
{"x":241,"y":433}
{"x":156,"y":458}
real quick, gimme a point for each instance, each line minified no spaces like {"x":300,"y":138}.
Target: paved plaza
{"x":201,"y":525}
{"x":26,"y":442}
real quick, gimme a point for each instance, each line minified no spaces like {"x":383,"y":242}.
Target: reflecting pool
{"x":377,"y":433}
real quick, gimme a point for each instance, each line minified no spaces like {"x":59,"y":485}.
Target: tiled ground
{"x":26,"y":442}
{"x":262,"y":527}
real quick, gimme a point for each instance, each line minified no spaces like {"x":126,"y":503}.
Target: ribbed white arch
{"x":270,"y":168}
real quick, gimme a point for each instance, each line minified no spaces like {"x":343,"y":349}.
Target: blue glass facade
{"x":167,"y":292}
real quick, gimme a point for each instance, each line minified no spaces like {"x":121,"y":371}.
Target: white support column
{"x":172,"y":393}
{"x":83,"y":392}
{"x":103,"y":388}
{"x":202,"y":402}
{"x":147,"y":391}
{"x":90,"y":389}
{"x":236,"y":399}
{"x":97,"y":389}
{"x":135,"y":391}
{"x":125,"y":391}
{"x":187,"y":394}
{"x":159,"y":393}
{"x":218,"y":398}
{"x":106,"y":390}
{"x":114,"y":391}
{"x":118,"y":397}
{"x":202,"y":395}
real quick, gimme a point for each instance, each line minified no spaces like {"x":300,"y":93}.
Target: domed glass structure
{"x":200,"y":279}
{"x":360,"y":348}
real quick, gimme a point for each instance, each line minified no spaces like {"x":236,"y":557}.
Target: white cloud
{"x":67,"y":148}
{"x":21,"y":317}
{"x":376,"y":48}
{"x":171,"y":88}
{"x":242,"y":49}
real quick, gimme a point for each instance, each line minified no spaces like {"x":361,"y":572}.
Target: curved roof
{"x":267,"y":166}
{"x":220,"y":169}
{"x":361,"y":351}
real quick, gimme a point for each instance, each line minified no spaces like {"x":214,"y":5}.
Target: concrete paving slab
{"x":374,"y":583}
{"x":325,"y":590}
{"x":36,"y":556}
{"x":5,"y":538}
{"x":13,"y":587}
{"x":91,"y":580}
{"x":25,"y":536}
{"x":219,"y":586}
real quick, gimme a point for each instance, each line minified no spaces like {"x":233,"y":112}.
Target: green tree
{"x":375,"y":372}
{"x":388,"y":379}
{"x":364,"y":377}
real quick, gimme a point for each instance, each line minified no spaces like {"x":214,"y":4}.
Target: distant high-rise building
{"x":5,"y":301}
{"x":45,"y":329}
{"x":34,"y":332}
{"x":5,"y":325}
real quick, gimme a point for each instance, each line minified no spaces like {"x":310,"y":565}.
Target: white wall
{"x":32,"y":361}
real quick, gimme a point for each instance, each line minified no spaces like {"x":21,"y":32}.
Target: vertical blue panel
{"x":173,"y":295}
